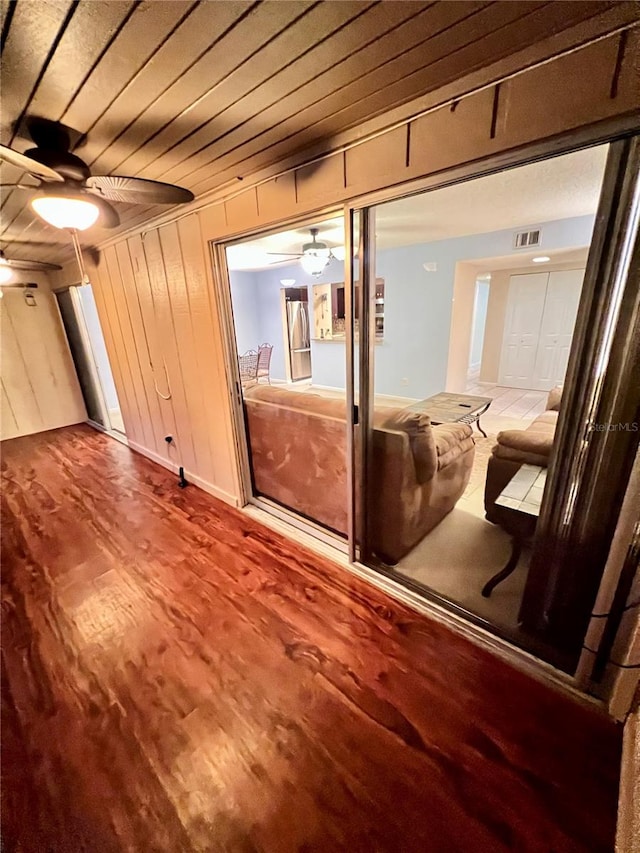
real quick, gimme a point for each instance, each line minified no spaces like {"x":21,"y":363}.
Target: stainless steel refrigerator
{"x":298,"y":335}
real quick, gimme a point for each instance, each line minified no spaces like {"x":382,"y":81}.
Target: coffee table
{"x":519,"y":503}
{"x":446,"y":408}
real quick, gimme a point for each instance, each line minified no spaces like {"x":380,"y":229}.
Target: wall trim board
{"x":441,"y":99}
{"x":193,"y":479}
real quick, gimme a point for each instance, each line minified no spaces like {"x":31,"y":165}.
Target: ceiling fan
{"x":68,"y":195}
{"x":315,"y":255}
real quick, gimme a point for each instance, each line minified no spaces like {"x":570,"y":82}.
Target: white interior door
{"x":556,"y":329}
{"x":525,"y":307}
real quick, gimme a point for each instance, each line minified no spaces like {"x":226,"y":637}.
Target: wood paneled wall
{"x":154,"y":290}
{"x":39,"y":384}
{"x":162,"y":332}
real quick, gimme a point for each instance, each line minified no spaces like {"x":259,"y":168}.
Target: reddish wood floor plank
{"x":177,"y":677}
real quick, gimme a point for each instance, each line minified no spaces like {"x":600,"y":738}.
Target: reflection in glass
{"x":482,"y":284}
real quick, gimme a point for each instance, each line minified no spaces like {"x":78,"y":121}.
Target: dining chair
{"x":264,"y":362}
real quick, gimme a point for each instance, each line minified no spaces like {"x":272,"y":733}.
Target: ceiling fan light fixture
{"x":65,"y":211}
{"x":5,"y":272}
{"x":315,"y":255}
{"x":313,"y":263}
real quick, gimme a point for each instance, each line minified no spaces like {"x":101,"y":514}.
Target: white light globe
{"x":61,"y":212}
{"x":315,"y":263}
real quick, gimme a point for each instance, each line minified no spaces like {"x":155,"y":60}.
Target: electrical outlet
{"x":404,"y":381}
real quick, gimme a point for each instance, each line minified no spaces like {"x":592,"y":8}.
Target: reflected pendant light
{"x":315,"y":255}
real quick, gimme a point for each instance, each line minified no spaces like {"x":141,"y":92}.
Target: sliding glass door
{"x":452,"y":387}
{"x":287,"y":301}
{"x":489,"y":476}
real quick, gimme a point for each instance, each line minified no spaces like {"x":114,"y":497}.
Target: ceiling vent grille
{"x":527,"y":239}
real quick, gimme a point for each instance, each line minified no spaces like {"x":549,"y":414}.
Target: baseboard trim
{"x":207,"y":487}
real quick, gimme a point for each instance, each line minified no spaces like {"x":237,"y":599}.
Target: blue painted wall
{"x":412,"y":359}
{"x":245,"y":312}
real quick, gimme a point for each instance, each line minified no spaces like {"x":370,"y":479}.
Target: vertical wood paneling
{"x":190,"y":370}
{"x":213,"y":221}
{"x":138,"y":352}
{"x":542,"y":102}
{"x":162,"y":414}
{"x":374,"y":162}
{"x":209,"y":352}
{"x":275,"y":196}
{"x":453,"y":134}
{"x":129,"y":362}
{"x":8,"y":422}
{"x":164,"y":281}
{"x":136,"y":349}
{"x":242,"y":210}
{"x":321,"y":181}
{"x":40,"y":387}
{"x":103,"y":294}
{"x":185,"y":447}
{"x":42,"y":352}
{"x":16,"y":376}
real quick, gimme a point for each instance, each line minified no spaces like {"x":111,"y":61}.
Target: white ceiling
{"x":524,"y":260}
{"x":559,"y":188}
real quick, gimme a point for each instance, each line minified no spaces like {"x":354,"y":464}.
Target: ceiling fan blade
{"x":109,"y":217}
{"x":27,"y":164}
{"x":286,"y":254}
{"x":17,"y":187}
{"x":137,"y":190}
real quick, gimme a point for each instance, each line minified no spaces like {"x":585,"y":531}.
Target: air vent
{"x":526,"y":239}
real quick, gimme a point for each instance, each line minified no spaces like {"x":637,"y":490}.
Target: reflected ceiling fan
{"x":68,"y":195}
{"x":315,"y":255}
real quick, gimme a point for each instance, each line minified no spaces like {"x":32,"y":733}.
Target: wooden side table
{"x":519,"y":503}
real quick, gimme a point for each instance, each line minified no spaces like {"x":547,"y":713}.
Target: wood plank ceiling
{"x":204,"y":93}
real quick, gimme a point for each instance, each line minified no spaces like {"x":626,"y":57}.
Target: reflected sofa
{"x":298,"y":458}
{"x":517,"y":447}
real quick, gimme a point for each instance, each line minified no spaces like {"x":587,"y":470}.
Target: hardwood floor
{"x":177,"y":677}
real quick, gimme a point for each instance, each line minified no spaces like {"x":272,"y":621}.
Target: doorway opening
{"x":88,"y":350}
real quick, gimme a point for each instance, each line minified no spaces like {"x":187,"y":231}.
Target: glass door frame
{"x":222,"y":288}
{"x":85,"y":338}
{"x":624,"y":141}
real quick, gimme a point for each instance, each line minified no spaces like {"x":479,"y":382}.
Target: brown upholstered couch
{"x":298,"y":450}
{"x":517,"y":447}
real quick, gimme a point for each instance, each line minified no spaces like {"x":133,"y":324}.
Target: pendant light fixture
{"x":315,"y":255}
{"x":65,"y":210}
